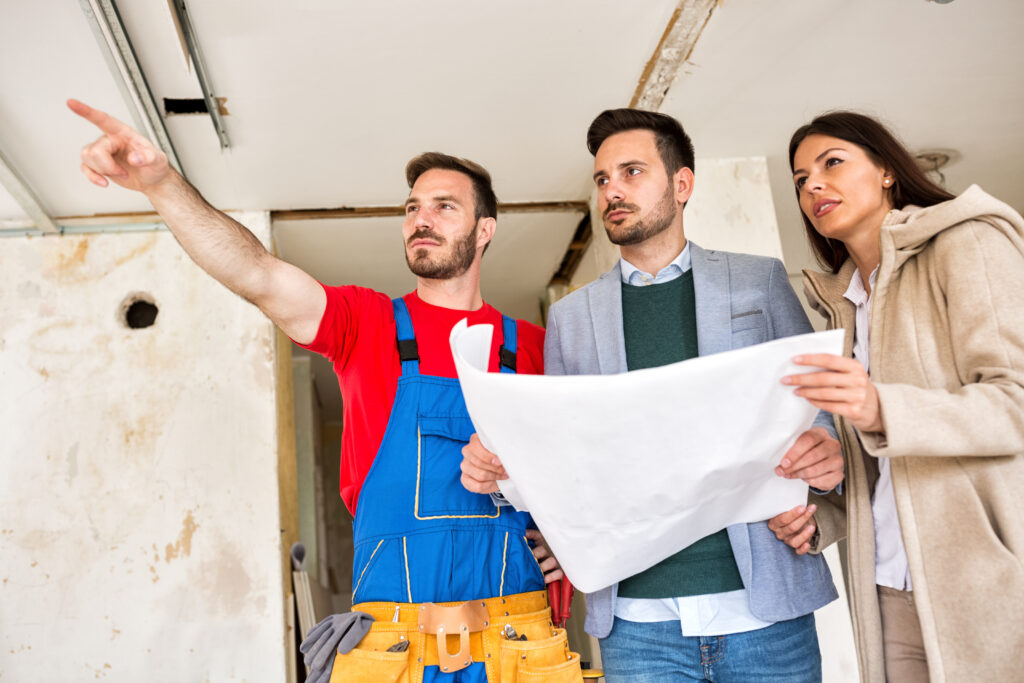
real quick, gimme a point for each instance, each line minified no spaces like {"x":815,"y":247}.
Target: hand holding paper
{"x":481,"y":469}
{"x":622,"y":471}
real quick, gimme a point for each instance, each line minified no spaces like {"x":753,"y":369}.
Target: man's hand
{"x":795,"y":528}
{"x":548,"y":564}
{"x":816,"y":458}
{"x":481,"y":469}
{"x":842,"y":388}
{"x":121,"y":154}
{"x":220,"y":245}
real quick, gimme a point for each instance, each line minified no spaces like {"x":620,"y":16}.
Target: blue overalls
{"x":419,"y":535}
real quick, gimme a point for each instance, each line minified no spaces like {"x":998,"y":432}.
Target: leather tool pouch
{"x":370,"y":662}
{"x":460,"y":621}
{"x":547,"y":659}
{"x":543,"y":657}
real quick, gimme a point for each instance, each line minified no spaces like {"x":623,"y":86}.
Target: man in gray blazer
{"x":737,"y":605}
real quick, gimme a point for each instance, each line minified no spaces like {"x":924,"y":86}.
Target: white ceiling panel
{"x":328,"y":100}
{"x":10,"y":210}
{"x":48,"y":54}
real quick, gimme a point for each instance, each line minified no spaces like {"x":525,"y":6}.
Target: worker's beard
{"x":454,"y":262}
{"x":654,"y":222}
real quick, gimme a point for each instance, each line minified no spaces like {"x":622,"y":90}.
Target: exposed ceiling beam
{"x":186,"y":31}
{"x":374,"y":211}
{"x":106,"y":24}
{"x":674,"y":48}
{"x":676,"y":44}
{"x":109,"y":222}
{"x":574,"y":253}
{"x":26,"y":198}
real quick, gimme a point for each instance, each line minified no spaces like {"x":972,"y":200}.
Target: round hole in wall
{"x":138,"y":311}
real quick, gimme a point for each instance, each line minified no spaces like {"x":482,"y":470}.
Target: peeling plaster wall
{"x":732,"y":209}
{"x":139,"y":527}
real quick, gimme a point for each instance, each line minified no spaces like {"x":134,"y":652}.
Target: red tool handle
{"x":560,"y":595}
{"x":567,"y":592}
{"x":555,"y":600}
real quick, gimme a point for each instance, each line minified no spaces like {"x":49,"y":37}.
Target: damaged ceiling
{"x":326,"y":100}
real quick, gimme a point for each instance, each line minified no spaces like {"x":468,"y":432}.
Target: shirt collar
{"x":632,"y":275}
{"x":856,"y":293}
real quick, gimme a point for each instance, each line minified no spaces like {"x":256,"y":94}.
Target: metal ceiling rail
{"x":26,"y":198}
{"x":212,"y":105}
{"x":117,"y":49}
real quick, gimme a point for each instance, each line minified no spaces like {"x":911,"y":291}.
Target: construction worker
{"x":431,"y":558}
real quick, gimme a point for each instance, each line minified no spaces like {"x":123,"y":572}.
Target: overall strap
{"x":407,"y":351}
{"x":507,"y":352}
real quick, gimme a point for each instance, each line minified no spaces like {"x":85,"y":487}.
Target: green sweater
{"x":660,"y":324}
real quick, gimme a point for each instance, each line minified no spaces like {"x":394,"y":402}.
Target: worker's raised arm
{"x":220,"y":245}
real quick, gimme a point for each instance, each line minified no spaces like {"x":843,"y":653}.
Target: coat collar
{"x":713,"y":300}
{"x":605,"y":299}
{"x":824,"y":293}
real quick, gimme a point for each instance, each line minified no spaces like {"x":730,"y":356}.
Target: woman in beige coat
{"x":930,"y":405}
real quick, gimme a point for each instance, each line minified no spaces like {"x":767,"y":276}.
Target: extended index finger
{"x":100,"y":119}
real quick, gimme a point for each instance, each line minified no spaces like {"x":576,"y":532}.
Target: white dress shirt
{"x":890,"y":555}
{"x":717,"y":614}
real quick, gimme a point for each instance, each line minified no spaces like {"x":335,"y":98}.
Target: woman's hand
{"x":816,"y":458}
{"x":843,"y":388}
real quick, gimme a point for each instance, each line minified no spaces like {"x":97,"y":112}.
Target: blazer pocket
{"x":748,"y":328}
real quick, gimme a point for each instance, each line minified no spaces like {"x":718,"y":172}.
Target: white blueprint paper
{"x":622,"y":471}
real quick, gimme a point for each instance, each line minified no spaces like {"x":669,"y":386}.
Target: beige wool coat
{"x":947,"y":358}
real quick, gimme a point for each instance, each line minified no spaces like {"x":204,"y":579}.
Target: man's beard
{"x":442,"y":266}
{"x":657,"y":221}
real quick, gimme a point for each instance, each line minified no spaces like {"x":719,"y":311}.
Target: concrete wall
{"x":140,"y":529}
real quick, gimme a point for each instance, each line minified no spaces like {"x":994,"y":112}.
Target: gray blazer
{"x":741,"y":300}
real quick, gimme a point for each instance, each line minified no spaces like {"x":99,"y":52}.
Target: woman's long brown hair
{"x":910,"y":184}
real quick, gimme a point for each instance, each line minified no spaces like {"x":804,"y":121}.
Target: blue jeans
{"x":657,"y":652}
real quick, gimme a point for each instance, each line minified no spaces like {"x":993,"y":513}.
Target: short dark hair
{"x":910,"y":185}
{"x":673,"y":143}
{"x":484,"y":200}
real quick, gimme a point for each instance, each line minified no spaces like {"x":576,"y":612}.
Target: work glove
{"x":337,"y":633}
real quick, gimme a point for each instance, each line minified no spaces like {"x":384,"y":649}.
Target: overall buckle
{"x":436,"y":620}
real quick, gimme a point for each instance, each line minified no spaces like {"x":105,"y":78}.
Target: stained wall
{"x":139,"y":502}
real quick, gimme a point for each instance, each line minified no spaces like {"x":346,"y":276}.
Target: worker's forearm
{"x":220,"y":245}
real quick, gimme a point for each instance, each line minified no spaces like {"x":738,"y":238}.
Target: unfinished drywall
{"x":139,"y":516}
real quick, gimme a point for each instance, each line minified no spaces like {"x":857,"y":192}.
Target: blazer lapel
{"x":713,"y":303}
{"x":606,"y":312}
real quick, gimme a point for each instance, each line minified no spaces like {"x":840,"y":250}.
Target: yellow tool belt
{"x":451,"y":636}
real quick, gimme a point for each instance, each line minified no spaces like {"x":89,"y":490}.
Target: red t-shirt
{"x":357,"y":334}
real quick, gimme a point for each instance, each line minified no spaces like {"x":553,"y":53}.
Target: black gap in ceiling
{"x":174,"y":106}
